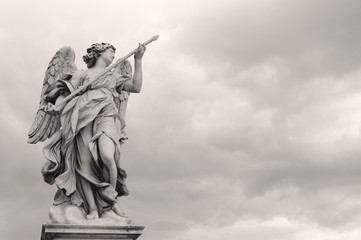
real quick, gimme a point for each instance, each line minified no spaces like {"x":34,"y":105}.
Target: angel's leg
{"x":86,"y":162}
{"x":106,"y":152}
{"x":106,"y":174}
{"x":88,"y":192}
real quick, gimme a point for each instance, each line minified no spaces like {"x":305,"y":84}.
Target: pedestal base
{"x":95,"y":232}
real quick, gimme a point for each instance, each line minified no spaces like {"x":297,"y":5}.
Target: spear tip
{"x":155,"y":37}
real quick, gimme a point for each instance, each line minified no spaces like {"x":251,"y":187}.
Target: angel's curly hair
{"x":94,"y":52}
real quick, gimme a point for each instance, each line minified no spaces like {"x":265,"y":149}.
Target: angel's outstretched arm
{"x":135,"y":84}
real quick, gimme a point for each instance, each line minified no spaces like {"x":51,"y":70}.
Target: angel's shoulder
{"x":76,"y":78}
{"x":76,"y":75}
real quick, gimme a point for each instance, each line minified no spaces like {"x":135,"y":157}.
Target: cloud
{"x":312,"y":37}
{"x":275,"y":228}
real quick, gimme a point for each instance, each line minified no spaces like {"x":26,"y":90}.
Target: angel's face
{"x":108,"y":56}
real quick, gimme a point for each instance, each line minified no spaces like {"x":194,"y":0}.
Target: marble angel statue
{"x":82,"y":114}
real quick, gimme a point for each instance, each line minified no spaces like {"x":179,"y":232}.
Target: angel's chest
{"x":104,"y":81}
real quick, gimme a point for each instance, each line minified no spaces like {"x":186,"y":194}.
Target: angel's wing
{"x":124,"y":69}
{"x":60,"y":67}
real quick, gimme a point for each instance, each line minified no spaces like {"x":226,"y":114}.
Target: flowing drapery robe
{"x":72,"y":153}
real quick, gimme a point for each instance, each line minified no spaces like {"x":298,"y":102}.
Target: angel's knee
{"x":106,"y":151}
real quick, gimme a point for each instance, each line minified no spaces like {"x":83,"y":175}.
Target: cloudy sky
{"x":248,"y":125}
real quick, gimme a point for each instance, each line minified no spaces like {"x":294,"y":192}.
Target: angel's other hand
{"x":47,"y":107}
{"x":50,"y":108}
{"x":140,"y":51}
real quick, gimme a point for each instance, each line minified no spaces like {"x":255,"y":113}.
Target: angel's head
{"x":95,"y":51}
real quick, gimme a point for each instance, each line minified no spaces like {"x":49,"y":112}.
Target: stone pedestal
{"x":95,"y":232}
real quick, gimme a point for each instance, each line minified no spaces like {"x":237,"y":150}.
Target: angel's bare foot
{"x":118,"y":211}
{"x":118,"y":218}
{"x":93,"y":215}
{"x":112,"y":215}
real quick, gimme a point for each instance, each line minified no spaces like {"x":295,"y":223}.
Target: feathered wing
{"x":124,"y":69}
{"x":61,"y":67}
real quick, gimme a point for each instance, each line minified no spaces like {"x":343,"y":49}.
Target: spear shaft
{"x":119,"y":61}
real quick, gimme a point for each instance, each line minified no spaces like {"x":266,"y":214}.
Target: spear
{"x":83,"y":87}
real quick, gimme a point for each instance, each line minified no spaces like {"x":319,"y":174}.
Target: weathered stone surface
{"x":82,"y":113}
{"x":94,"y":232}
{"x":71,"y":214}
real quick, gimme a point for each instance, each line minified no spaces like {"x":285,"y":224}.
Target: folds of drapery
{"x":73,"y":157}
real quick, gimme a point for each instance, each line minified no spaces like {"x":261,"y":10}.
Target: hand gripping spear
{"x":83,"y":87}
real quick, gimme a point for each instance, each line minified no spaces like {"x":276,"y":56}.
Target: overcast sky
{"x":248,"y":125}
